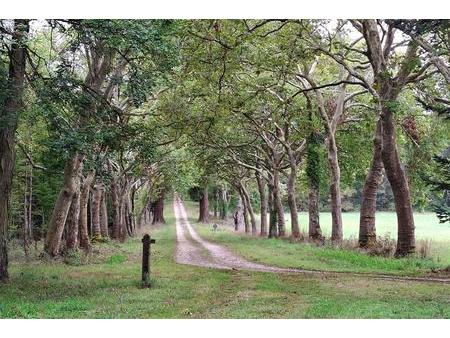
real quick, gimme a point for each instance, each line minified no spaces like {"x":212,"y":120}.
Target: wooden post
{"x":147,"y":241}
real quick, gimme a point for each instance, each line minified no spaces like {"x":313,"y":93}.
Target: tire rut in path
{"x":194,"y":250}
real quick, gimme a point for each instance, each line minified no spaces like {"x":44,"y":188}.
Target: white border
{"x":195,"y":9}
{"x":223,"y":328}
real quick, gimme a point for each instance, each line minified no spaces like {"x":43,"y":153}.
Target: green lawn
{"x":107,"y":286}
{"x":428,"y":229}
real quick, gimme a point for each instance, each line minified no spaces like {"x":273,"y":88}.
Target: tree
{"x":11,"y":105}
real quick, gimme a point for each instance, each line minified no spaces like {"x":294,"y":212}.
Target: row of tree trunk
{"x":82,"y":196}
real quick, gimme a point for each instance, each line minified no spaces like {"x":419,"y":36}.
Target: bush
{"x":385,"y":246}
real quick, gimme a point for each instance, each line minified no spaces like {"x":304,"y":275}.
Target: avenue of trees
{"x":101,"y":120}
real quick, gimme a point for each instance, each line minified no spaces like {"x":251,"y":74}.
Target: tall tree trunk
{"x":27,"y":210}
{"x":129,"y":218}
{"x":97,"y":192}
{"x":104,"y":215}
{"x":312,"y":172}
{"x":273,"y":218}
{"x":73,"y":220}
{"x":313,"y":209}
{"x":142,"y":219}
{"x":263,"y":204}
{"x":85,"y":243}
{"x":123,"y":234}
{"x":279,"y":204}
{"x":292,"y":199}
{"x":238,"y":214}
{"x":399,"y":183}
{"x":117,"y":219}
{"x":216,"y":202}
{"x":158,"y":211}
{"x":223,"y":203}
{"x":367,"y":231}
{"x":30,"y":204}
{"x":204,"y":206}
{"x":72,"y":171}
{"x":245,"y":212}
{"x":335,"y":190}
{"x":388,"y":89}
{"x":249,"y":208}
{"x":8,"y":125}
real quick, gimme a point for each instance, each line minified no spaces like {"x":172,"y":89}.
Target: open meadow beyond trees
{"x":224,"y":168}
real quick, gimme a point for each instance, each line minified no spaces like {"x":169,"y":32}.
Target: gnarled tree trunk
{"x":367,"y":231}
{"x":388,"y":89}
{"x":399,"y":183}
{"x":72,"y":171}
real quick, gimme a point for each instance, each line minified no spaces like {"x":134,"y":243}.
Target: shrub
{"x":384,"y":246}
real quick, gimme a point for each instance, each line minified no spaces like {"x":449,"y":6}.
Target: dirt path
{"x":194,"y":250}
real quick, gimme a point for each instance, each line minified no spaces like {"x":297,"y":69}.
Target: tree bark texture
{"x":335,"y":190}
{"x":97,"y":192}
{"x":249,"y":207}
{"x":263,"y":204}
{"x":72,"y":172}
{"x":158,"y":211}
{"x":273,"y":218}
{"x":367,"y":230}
{"x":204,"y":206}
{"x":8,"y":125}
{"x":292,"y":199}
{"x":279,"y":205}
{"x":104,"y":215}
{"x":85,"y":242}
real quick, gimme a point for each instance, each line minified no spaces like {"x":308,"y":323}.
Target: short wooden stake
{"x":146,"y":242}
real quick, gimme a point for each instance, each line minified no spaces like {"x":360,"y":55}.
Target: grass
{"x":428,"y":229}
{"x":426,"y":223}
{"x":308,"y":256}
{"x":107,"y":286}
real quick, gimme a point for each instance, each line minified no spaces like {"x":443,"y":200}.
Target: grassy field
{"x":309,"y":256}
{"x":428,"y":229}
{"x":107,"y":286}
